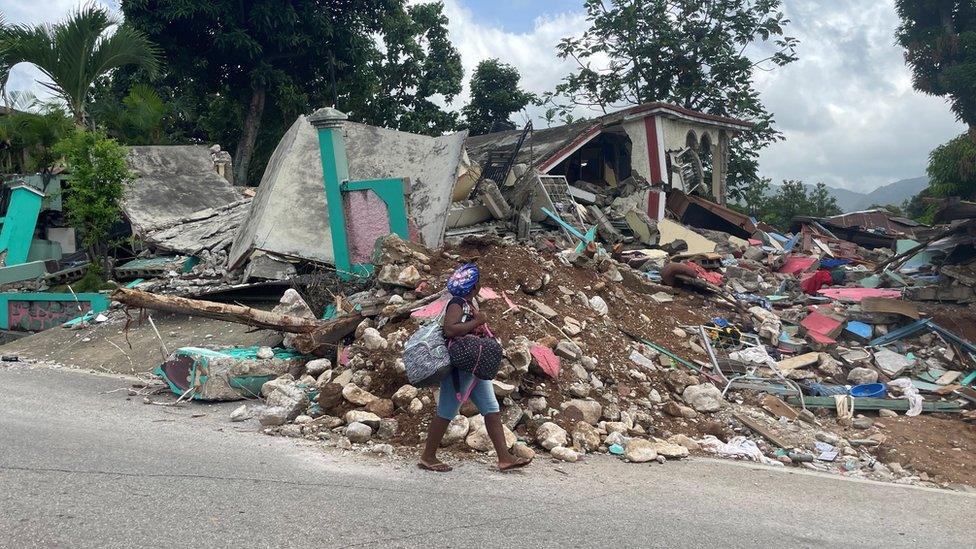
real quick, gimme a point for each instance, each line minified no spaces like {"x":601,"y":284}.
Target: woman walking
{"x":474,"y":356}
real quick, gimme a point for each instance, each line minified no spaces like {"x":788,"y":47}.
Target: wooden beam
{"x":757,"y":427}
{"x":217,"y":311}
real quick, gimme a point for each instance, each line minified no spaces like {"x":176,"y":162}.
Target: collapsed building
{"x":639,"y":314}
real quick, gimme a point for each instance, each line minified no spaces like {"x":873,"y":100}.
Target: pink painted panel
{"x":366,"y":220}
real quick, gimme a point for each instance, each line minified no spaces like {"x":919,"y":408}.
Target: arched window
{"x":691,"y":140}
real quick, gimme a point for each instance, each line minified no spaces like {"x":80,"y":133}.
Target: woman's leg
{"x":483,"y":397}
{"x":447,"y":407}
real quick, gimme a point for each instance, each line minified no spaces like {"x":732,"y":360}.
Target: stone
{"x":415,"y":407}
{"x":543,"y":309}
{"x":343,"y":378}
{"x":478,"y":439}
{"x":537,"y":405}
{"x":585,"y":437}
{"x":387,"y":429}
{"x":568,"y":350}
{"x":271,"y":416}
{"x":654,"y":396}
{"x":549,"y":435}
{"x":862,"y":422}
{"x":639,"y":450}
{"x":373,"y":340}
{"x":522,"y":450}
{"x":684,"y":440}
{"x":265,"y":353}
{"x":679,"y":333}
{"x":579,"y":372}
{"x":291,"y":431}
{"x":571,"y":326}
{"x":289,"y":397}
{"x":358,"y":433}
{"x":502,"y":389}
{"x":512,"y":415}
{"x":580,"y":389}
{"x":887,"y":413}
{"x":704,"y":397}
{"x":303,"y":419}
{"x":317,"y":367}
{"x":564,"y":454}
{"x":457,"y":430}
{"x":361,"y":327}
{"x":861,"y":376}
{"x":669,"y":450}
{"x":589,"y":363}
{"x":599,"y":305}
{"x":409,"y":277}
{"x":382,"y":407}
{"x":241,"y":413}
{"x":292,"y":304}
{"x":404,"y":395}
{"x":358,"y":416}
{"x":672,"y":408}
{"x":590,"y":410}
{"x":518,"y":352}
{"x":356,"y":395}
{"x":616,"y":427}
{"x":330,"y":396}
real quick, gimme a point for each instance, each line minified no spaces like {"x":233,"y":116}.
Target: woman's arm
{"x":453,"y":327}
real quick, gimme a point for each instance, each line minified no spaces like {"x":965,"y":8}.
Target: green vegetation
{"x":686,"y":52}
{"x":239,"y":74}
{"x":29,"y":138}
{"x":495,"y":96}
{"x":74,"y":53}
{"x":96,"y":180}
{"x":791,"y":199}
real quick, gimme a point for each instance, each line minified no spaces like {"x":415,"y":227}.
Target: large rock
{"x":684,"y":440}
{"x":356,"y":395}
{"x":369,"y":418}
{"x":292,"y":304}
{"x":404,"y":395}
{"x":373,"y":341}
{"x":704,"y":398}
{"x":409,"y":277}
{"x":271,"y":416}
{"x":639,"y":450}
{"x":599,"y":305}
{"x":502,"y":389}
{"x":549,"y":435}
{"x":478,"y":439}
{"x":330,"y":396}
{"x":861,"y":376}
{"x":519,"y":353}
{"x":670,"y":451}
{"x":564,"y":454}
{"x":590,"y":411}
{"x":317,"y":367}
{"x":457,"y":430}
{"x":585,"y":437}
{"x":543,"y":309}
{"x":382,"y":407}
{"x":241,"y":413}
{"x":289,"y":397}
{"x":358,"y":432}
{"x":568,"y":350}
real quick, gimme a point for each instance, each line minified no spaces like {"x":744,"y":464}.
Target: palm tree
{"x":76,"y":51}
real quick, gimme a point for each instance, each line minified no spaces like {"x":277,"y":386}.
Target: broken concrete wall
{"x":172,"y":183}
{"x":289,"y":215}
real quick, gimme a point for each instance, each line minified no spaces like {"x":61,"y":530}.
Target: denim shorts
{"x":483,"y":396}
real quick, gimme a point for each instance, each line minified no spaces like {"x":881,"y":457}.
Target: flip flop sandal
{"x":439,"y":467}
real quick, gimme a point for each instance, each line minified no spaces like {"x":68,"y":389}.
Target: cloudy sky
{"x":847,"y":107}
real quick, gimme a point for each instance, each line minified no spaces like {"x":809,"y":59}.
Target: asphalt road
{"x":82,"y":466}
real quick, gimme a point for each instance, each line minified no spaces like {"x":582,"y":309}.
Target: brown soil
{"x":942,"y":447}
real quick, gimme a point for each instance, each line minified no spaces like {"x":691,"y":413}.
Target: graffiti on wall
{"x":34,"y":316}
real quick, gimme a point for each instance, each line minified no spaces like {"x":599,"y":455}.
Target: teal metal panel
{"x":43,"y":250}
{"x":24,"y":271}
{"x":19,"y":222}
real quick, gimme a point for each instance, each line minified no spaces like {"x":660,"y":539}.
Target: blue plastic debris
{"x":860,"y":330}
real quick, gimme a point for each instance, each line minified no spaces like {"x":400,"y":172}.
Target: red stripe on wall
{"x":650,"y":129}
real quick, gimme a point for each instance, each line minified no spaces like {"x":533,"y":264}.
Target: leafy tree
{"x":952,"y":168}
{"x":76,"y":52}
{"x":821,"y":203}
{"x":755,"y":195}
{"x":939,"y":37}
{"x":239,"y":73}
{"x":97,"y":176}
{"x":918,"y":209}
{"x":687,"y":52}
{"x":140,"y":118}
{"x":29,"y":133}
{"x":495,"y":96}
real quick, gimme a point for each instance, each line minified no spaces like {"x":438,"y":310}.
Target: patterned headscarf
{"x":464,"y":279}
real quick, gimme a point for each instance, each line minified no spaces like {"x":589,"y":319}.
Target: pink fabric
{"x":488,"y":293}
{"x":547,"y":360}
{"x":812,"y":283}
{"x":433,"y":309}
{"x":796,"y":264}
{"x":708,"y":276}
{"x":857,"y":294}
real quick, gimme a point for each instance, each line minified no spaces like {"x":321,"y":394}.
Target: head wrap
{"x":463,"y":280}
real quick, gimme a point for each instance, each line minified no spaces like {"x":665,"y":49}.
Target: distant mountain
{"x":893,"y":193}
